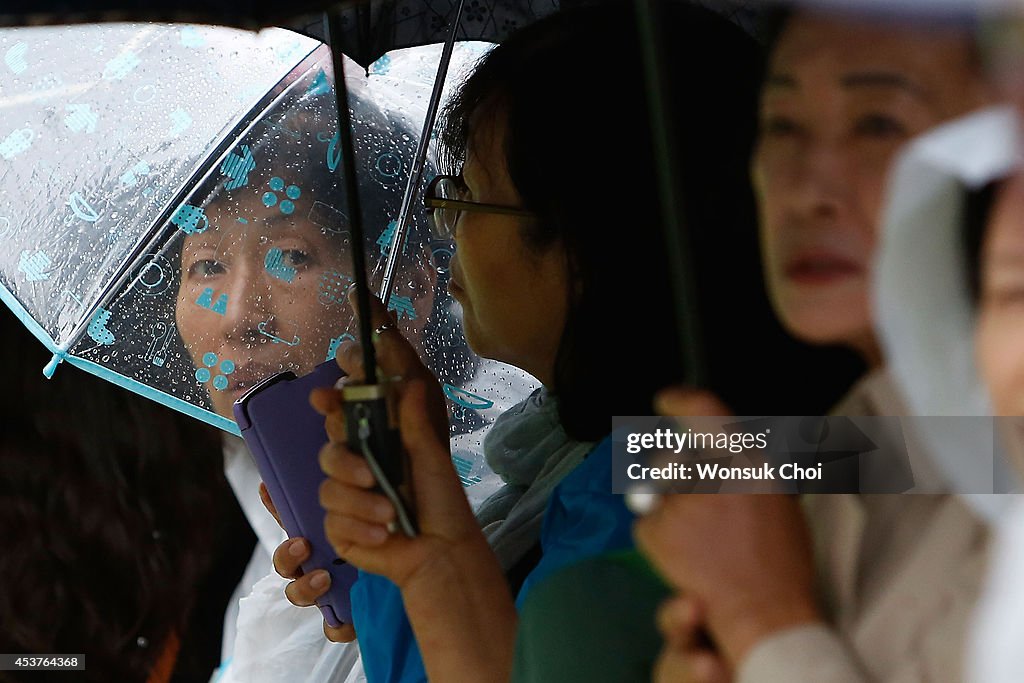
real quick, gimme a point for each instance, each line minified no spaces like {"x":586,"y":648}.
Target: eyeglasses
{"x":445,"y":205}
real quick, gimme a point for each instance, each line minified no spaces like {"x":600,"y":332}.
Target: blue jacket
{"x":583,"y":519}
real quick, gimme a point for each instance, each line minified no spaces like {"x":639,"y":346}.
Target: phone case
{"x":285,"y":436}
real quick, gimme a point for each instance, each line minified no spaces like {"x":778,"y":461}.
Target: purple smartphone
{"x":285,"y":436}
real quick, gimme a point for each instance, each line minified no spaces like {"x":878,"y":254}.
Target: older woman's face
{"x":1000,"y":331}
{"x":263,"y":291}
{"x":514,"y":297}
{"x":840,"y":98}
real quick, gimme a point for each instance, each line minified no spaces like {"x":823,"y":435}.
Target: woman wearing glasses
{"x":560,"y":270}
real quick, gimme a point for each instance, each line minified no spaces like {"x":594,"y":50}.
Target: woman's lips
{"x":821,"y":268}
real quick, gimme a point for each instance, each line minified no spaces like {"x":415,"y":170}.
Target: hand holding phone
{"x":285,"y":436}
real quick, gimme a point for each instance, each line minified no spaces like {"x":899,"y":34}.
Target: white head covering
{"x":922,"y":305}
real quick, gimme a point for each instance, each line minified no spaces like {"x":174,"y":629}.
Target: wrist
{"x":478,"y":609}
{"x":453,"y":560}
{"x":738,"y":634}
{"x":472,"y":567}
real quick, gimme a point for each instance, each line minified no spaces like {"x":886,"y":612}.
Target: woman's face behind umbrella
{"x":263,"y":286}
{"x":840,"y":98}
{"x":266,"y":246}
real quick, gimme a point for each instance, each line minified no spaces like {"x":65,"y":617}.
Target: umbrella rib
{"x":416,"y":174}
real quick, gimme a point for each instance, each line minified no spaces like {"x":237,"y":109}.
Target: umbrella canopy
{"x":252,"y":14}
{"x":366,"y":29}
{"x":370,"y":28}
{"x":175,"y":221}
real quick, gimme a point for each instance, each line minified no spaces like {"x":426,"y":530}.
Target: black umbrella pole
{"x":355,"y":210}
{"x":370,"y":417}
{"x":670,"y":185}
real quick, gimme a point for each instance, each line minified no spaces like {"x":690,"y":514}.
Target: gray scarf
{"x":530,"y":451}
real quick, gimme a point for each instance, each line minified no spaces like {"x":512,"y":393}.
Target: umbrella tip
{"x":51,"y":367}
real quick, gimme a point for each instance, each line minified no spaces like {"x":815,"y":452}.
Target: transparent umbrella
{"x":174,"y":220}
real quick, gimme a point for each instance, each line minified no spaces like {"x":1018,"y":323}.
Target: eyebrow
{"x":277,"y":222}
{"x":857,"y":79}
{"x":883,"y":79}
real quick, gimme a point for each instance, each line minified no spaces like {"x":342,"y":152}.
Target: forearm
{"x":463,"y":616}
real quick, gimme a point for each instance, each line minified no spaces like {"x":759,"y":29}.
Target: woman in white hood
{"x":949,"y":298}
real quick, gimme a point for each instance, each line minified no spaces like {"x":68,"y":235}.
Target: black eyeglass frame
{"x":432,"y":202}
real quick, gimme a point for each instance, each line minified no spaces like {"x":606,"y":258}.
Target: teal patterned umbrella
{"x":173,"y":218}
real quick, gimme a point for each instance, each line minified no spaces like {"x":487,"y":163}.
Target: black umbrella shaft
{"x":355,"y":210}
{"x":677,"y":243}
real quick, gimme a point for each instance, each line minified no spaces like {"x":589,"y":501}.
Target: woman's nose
{"x":248,"y":301}
{"x":820,"y":183}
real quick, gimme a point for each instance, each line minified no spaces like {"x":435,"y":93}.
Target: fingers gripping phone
{"x":285,"y":436}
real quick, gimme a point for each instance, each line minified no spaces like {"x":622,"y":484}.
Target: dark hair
{"x":580,"y":153}
{"x":976,"y":213}
{"x":106,"y":503}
